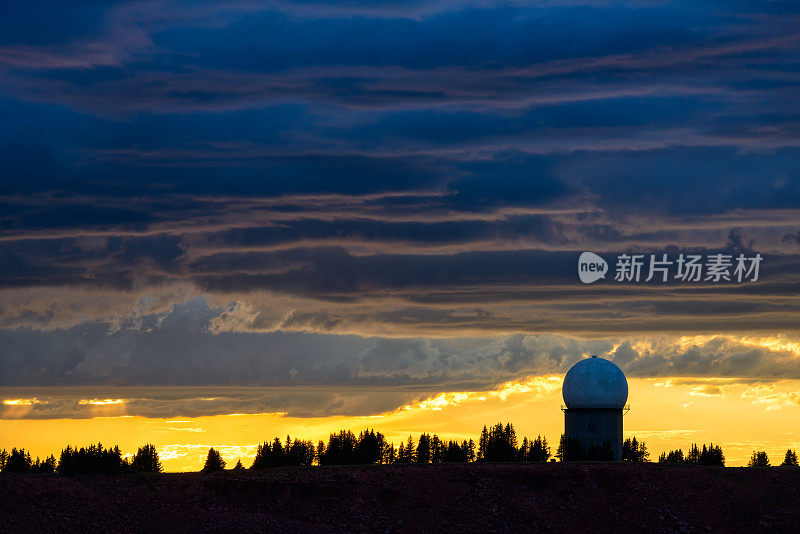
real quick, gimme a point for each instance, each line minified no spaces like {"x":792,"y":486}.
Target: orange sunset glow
{"x":668,"y":413}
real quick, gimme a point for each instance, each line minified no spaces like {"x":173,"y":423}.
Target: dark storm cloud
{"x":320,"y":375}
{"x":179,"y":347}
{"x":390,"y":169}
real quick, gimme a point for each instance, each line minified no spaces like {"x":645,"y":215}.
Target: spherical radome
{"x":595,"y":383}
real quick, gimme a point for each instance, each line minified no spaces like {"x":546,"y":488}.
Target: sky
{"x":221,"y":222}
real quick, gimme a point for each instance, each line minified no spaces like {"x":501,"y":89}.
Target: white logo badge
{"x":591,"y":267}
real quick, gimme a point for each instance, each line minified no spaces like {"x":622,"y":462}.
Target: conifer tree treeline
{"x":290,"y":453}
{"x":19,"y":461}
{"x":497,"y":443}
{"x":91,"y":460}
{"x":94,"y":459}
{"x":709,"y":455}
{"x":759,"y":459}
{"x":634,"y":450}
{"x":146,"y":460}
{"x":570,"y":450}
{"x":344,"y":448}
{"x":534,"y":451}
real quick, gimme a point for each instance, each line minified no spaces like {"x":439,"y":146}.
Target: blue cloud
{"x":427,"y":152}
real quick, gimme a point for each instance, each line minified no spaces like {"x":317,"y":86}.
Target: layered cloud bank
{"x":307,"y":374}
{"x":390,"y":194}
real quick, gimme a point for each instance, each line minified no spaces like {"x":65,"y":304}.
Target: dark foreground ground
{"x":435,"y":498}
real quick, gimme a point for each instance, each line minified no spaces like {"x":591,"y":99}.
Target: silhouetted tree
{"x":298,"y":452}
{"x":293,"y":453}
{"x":759,"y":459}
{"x":238,"y":466}
{"x":389,"y":454}
{"x":510,"y":436}
{"x":522,"y":452}
{"x":91,"y":460}
{"x":19,"y":461}
{"x":561,"y":450}
{"x":410,"y":455}
{"x":46,"y":466}
{"x":265,"y":457}
{"x":483,"y":443}
{"x":342,"y":449}
{"x":146,"y":460}
{"x":534,"y":451}
{"x":709,"y":455}
{"x":672,"y":457}
{"x":277,"y":450}
{"x":214,"y":461}
{"x":319,"y":452}
{"x":370,"y":447}
{"x":790,"y":459}
{"x":469,"y":446}
{"x":424,"y":449}
{"x":712,"y":455}
{"x":693,"y":457}
{"x":437,"y":450}
{"x":634,"y":450}
{"x":498,"y":444}
{"x":569,"y":450}
{"x":454,"y":452}
{"x":405,"y":453}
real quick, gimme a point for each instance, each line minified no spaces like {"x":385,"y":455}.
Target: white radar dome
{"x":595,"y":383}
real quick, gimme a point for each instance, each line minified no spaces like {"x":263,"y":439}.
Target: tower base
{"x":593,"y":433}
